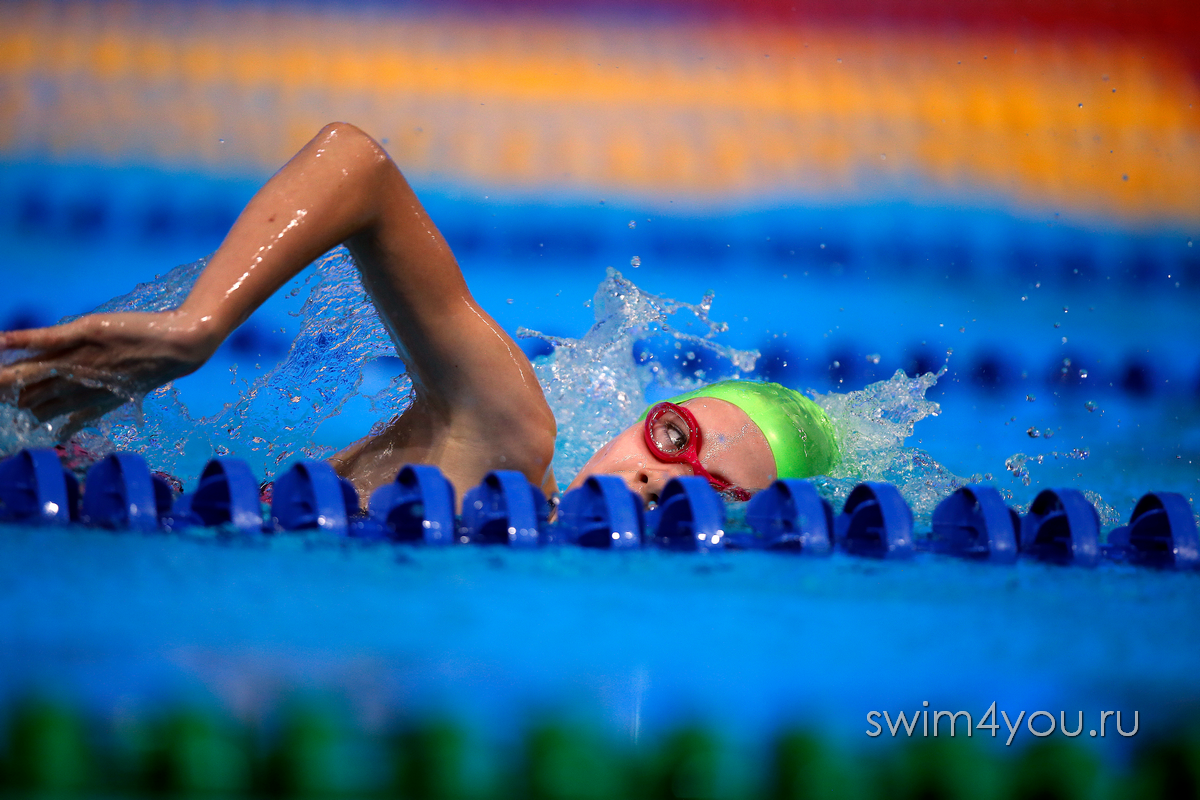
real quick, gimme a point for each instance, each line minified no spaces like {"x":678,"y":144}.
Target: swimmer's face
{"x":734,"y":450}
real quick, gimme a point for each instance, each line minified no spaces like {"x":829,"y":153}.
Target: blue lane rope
{"x":1062,"y":526}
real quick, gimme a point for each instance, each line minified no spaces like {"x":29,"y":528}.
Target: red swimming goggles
{"x":673,"y":436}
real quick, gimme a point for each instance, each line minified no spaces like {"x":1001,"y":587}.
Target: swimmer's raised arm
{"x":477,"y":403}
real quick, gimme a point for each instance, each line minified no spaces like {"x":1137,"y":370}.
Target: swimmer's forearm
{"x":325,"y":195}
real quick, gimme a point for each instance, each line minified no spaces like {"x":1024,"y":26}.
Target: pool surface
{"x":749,"y":640}
{"x":1004,"y":201}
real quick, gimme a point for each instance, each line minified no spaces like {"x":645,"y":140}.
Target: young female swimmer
{"x":476,"y":403}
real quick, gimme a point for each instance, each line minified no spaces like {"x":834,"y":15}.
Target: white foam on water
{"x":596,"y":384}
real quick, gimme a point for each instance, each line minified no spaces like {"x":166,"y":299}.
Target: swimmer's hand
{"x":86,"y":368}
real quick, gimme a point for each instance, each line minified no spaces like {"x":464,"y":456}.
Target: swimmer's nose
{"x":649,"y":482}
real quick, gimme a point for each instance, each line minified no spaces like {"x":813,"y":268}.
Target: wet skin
{"x":477,"y":405}
{"x":734,"y":449}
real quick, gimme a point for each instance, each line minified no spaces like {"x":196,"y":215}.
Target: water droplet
{"x":1058,"y":324}
{"x":509,"y":301}
{"x":1081,"y":105}
{"x":1083,"y":373}
{"x":1091,"y":405}
{"x":635,"y":262}
{"x":1046,"y":434}
{"x":1030,"y":398}
{"x":1065,"y":309}
{"x":873,"y":358}
{"x":837,"y":364}
{"x":632,"y":224}
{"x":1124,"y":177}
{"x":1033,"y":433}
{"x":220,"y":141}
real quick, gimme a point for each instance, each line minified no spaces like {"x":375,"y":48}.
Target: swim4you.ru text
{"x":928,"y":722}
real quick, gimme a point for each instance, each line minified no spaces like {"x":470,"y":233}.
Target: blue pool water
{"x":747,"y":640}
{"x":834,"y":300}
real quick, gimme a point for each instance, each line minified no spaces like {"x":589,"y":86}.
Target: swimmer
{"x":476,"y":405}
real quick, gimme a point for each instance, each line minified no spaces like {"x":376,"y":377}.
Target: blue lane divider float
{"x":35,"y":489}
{"x":975,"y":522}
{"x":875,"y":522}
{"x":1061,"y":527}
{"x":416,"y":507}
{"x":504,"y":509}
{"x":689,"y":516}
{"x":310,"y":495}
{"x":1161,"y":533}
{"x":602,"y":513}
{"x":226,"y":495}
{"x":121,"y":494}
{"x":789,"y":515}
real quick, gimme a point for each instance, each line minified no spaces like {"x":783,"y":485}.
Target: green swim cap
{"x":799,"y":433}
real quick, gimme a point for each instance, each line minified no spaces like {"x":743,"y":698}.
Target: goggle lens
{"x":670,"y":432}
{"x":674,"y":434}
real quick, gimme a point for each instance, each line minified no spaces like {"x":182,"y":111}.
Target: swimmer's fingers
{"x":81,"y":404}
{"x":34,"y":385}
{"x":34,"y":394}
{"x":32,"y":376}
{"x":58,"y":395}
{"x":16,"y":378}
{"x":75,"y":423}
{"x":42,"y":340}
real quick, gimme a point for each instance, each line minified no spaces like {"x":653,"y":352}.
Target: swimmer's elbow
{"x":348,"y":139}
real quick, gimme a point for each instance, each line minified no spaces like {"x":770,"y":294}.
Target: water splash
{"x":595,"y":384}
{"x":1020,"y":466}
{"x":20,"y":429}
{"x":872,"y":425}
{"x":274,"y":418}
